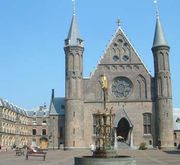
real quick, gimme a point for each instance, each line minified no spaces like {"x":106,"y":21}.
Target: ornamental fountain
{"x":104,"y":153}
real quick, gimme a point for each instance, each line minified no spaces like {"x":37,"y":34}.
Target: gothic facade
{"x":142,"y":103}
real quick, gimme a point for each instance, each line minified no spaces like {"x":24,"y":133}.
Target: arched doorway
{"x":43,"y":143}
{"x":123,"y":129}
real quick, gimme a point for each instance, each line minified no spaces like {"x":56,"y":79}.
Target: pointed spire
{"x":73,"y":38}
{"x":74,"y":7}
{"x":52,"y":94}
{"x":159,"y":37}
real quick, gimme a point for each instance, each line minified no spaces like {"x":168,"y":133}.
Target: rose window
{"x":121,"y":87}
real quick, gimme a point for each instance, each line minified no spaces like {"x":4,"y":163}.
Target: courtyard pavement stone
{"x":61,"y":157}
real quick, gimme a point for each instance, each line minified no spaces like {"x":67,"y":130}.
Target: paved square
{"x":60,"y":157}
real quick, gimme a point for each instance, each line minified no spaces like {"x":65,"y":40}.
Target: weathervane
{"x":74,"y":7}
{"x":157,"y":8}
{"x":119,"y":22}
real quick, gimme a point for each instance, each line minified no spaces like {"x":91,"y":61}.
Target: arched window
{"x":71,"y":62}
{"x":142,"y":87}
{"x":77,"y":62}
{"x":43,"y":131}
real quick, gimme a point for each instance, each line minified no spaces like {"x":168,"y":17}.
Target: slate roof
{"x":38,"y":112}
{"x":1,"y":103}
{"x":74,"y":34}
{"x":159,"y":37}
{"x":6,"y":104}
{"x":57,"y":106}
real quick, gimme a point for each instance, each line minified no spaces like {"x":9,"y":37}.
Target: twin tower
{"x":75,"y":118}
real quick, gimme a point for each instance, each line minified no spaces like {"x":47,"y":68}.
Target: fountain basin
{"x":117,"y":160}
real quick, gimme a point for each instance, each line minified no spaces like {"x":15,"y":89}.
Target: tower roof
{"x":159,"y":37}
{"x":73,"y":38}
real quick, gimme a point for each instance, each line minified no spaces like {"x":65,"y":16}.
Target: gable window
{"x":147,"y":123}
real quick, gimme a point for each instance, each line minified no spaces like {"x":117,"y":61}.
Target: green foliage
{"x":142,"y":146}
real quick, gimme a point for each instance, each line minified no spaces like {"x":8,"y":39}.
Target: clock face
{"x":115,"y":58}
{"x":125,"y":57}
{"x":122,"y":87}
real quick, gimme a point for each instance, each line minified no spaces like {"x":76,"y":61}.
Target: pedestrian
{"x":92,"y":147}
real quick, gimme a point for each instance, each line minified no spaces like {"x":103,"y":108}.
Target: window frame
{"x":147,"y":123}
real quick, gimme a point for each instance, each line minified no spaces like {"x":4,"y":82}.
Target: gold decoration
{"x":104,"y":82}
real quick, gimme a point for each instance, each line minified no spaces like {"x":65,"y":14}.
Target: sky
{"x":32,"y":33}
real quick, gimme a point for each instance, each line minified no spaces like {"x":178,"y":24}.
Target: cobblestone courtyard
{"x":60,"y":157}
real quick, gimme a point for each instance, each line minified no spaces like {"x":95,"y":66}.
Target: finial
{"x":74,"y":7}
{"x":157,"y":8}
{"x":119,"y":22}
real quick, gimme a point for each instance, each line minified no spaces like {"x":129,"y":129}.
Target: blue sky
{"x":32,"y":34}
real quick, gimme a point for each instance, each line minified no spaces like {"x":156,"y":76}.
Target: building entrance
{"x":43,"y":143}
{"x":123,"y":129}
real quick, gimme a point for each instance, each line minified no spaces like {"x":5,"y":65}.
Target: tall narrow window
{"x":73,"y":130}
{"x":33,"y":131}
{"x":147,"y":123}
{"x":43,"y":131}
{"x":94,"y":124}
{"x":74,"y":114}
{"x":175,"y":135}
{"x":61,"y":132}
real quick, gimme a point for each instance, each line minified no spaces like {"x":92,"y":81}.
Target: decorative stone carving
{"x":122,"y":87}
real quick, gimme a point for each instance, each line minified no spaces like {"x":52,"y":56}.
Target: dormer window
{"x":62,"y":107}
{"x":67,"y":42}
{"x":34,"y":121}
{"x":44,"y":122}
{"x":178,"y":120}
{"x":79,"y":41}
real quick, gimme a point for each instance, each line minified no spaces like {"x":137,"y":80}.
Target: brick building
{"x":142,"y":102}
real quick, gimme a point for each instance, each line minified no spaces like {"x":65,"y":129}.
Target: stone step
{"x":122,"y":145}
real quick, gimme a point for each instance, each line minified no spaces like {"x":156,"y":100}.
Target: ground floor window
{"x":147,"y":123}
